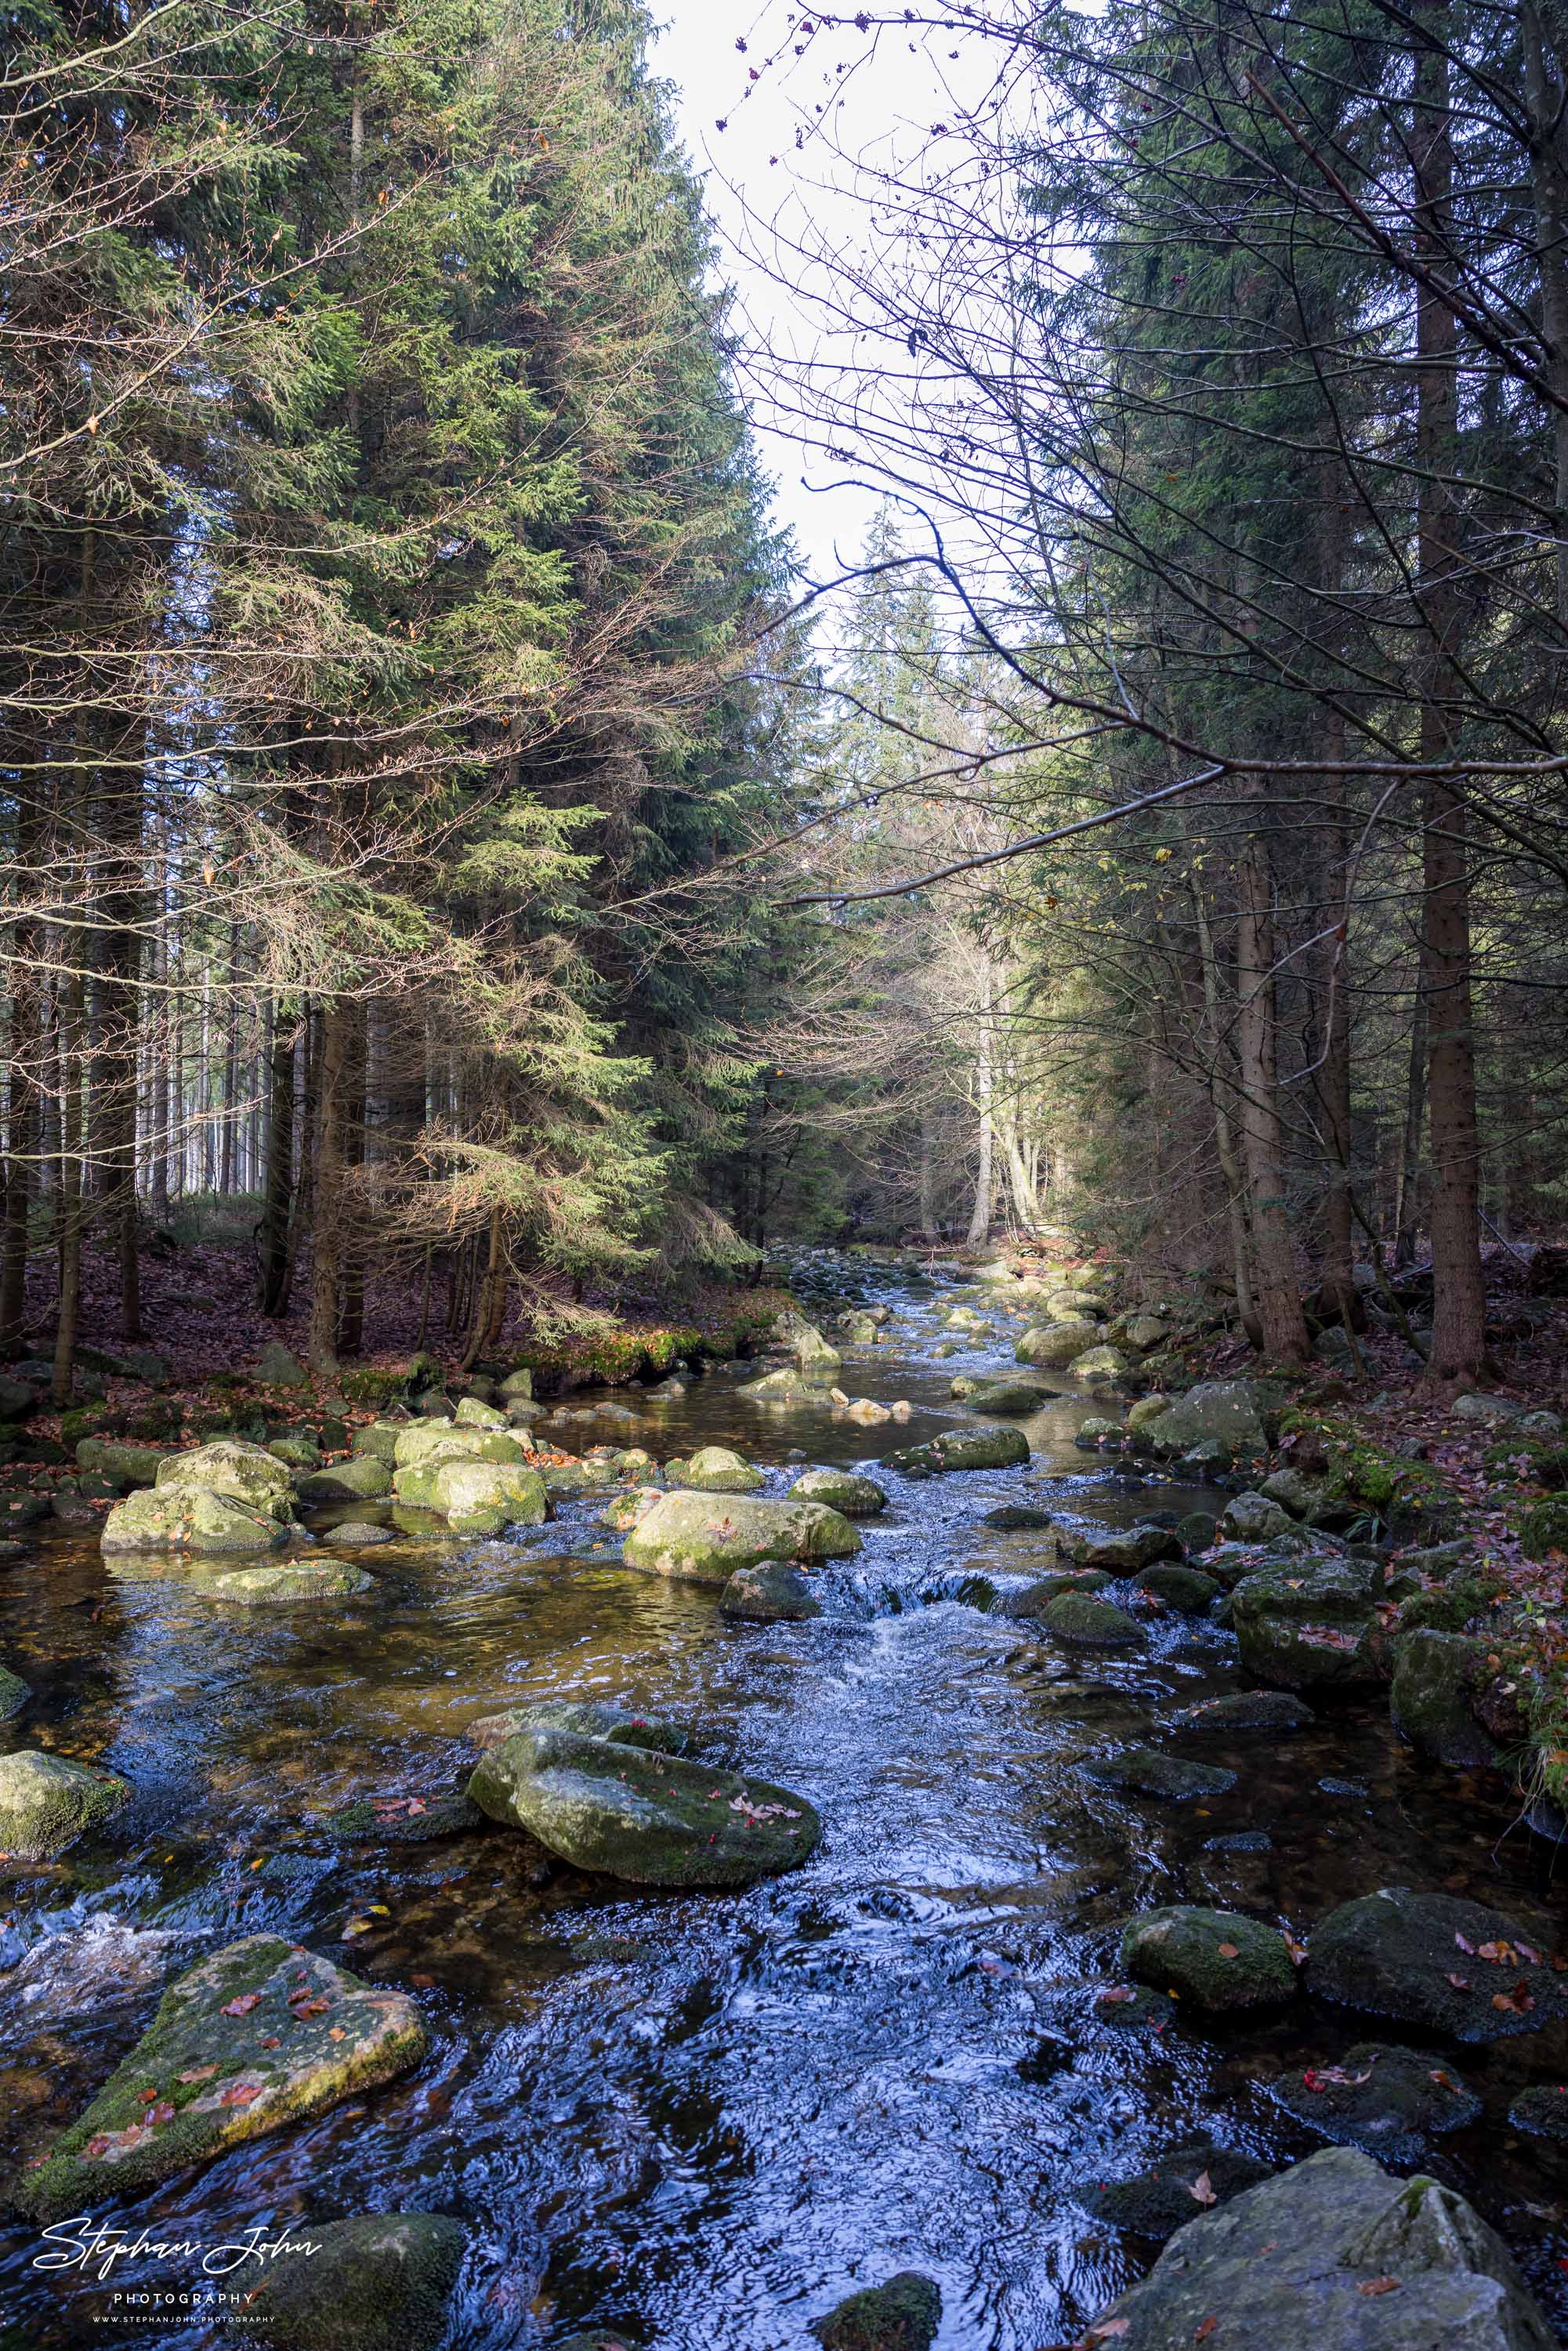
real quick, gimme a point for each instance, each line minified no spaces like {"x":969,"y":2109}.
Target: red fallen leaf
{"x":242,"y":2004}
{"x":1114,"y":1993}
{"x":1379,"y":2285}
{"x":1500,"y":1954}
{"x":1444,"y":2080}
{"x":271,"y":2041}
{"x":240,"y":2094}
{"x":334,"y":2032}
{"x":1460,"y":1983}
{"x":311,"y":2007}
{"x":422,"y":1983}
{"x":1330,"y":2077}
{"x":415,"y":1805}
{"x":1201,"y":2190}
{"x":1204,"y":2329}
{"x":162,"y":2112}
{"x":1464,"y":1945}
{"x":1517,"y":2003}
{"x":201,"y":2073}
{"x":1230,"y":1951}
{"x":148,"y":2096}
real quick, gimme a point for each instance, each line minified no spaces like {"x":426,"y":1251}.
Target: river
{"x":708,"y":2119}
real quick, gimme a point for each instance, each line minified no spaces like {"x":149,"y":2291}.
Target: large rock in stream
{"x":714,"y":1469}
{"x":707,"y":1537}
{"x":845,"y":1491}
{"x":1224,"y":1412}
{"x":246,"y":1473}
{"x":901,"y":2315}
{"x":1307,"y":1623}
{"x":163,"y":1519}
{"x":1332,"y":2255}
{"x":650,"y":1820}
{"x":46,"y":1802}
{"x":1389,"y":2100}
{"x":1436,"y":1961}
{"x":1217,"y":1959}
{"x":1052,"y":1346}
{"x":1435,"y":1675}
{"x":480,"y":1498}
{"x":380,"y":2283}
{"x":262,"y":2033}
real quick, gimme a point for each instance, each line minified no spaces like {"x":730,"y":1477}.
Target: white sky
{"x":892,"y":107}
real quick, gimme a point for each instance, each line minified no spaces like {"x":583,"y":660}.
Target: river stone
{"x":773,"y":1593}
{"x":472,"y":1491}
{"x":46,"y":1802}
{"x":362,"y":1479}
{"x":1145,"y":1331}
{"x":1160,"y":2200}
{"x":1067,"y":1305}
{"x":245,"y":1473}
{"x":1397,"y":1953}
{"x":708,"y":1537}
{"x":275,"y":1367}
{"x":402,"y":1820}
{"x":592,"y":1718}
{"x":1307,"y":1625}
{"x":1541,"y":2112}
{"x":714,"y":1469}
{"x":1286,"y":2263}
{"x":422,"y":1443}
{"x":176,"y":1518}
{"x":217,"y":2083}
{"x":1149,"y":1771}
{"x":1019,"y":1517}
{"x":296,"y":1449}
{"x":1298,"y":1495}
{"x":845,"y":1491}
{"x":650,"y":1819}
{"x":1012,"y":1398}
{"x":1100,"y":1363}
{"x":1052,"y":1346}
{"x":1133,"y":2007}
{"x":1215,"y":1958}
{"x":1121,"y":1551}
{"x":109,"y":1456}
{"x":473,"y":1412}
{"x":1390,"y":2101}
{"x":901,"y":2315}
{"x":1096,"y":1432}
{"x":14,"y":1694}
{"x":1253,"y":1518}
{"x":623,"y":1512}
{"x":1274,"y":1710}
{"x":1491,"y":1411}
{"x":379,"y":1440}
{"x":981,"y":1449}
{"x":1222,"y":1412}
{"x":785,"y":1386}
{"x":354,"y":1533}
{"x":288,"y":1582}
{"x":377,"y":2284}
{"x":1036,"y":1598}
{"x":1433,"y":1674}
{"x":1079,"y":1618}
{"x":1185,"y":1589}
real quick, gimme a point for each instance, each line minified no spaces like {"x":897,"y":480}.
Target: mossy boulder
{"x":1013,"y":1399}
{"x":47,"y":1802}
{"x":379,"y":1440}
{"x":981,"y":1449}
{"x":773,"y":1593}
{"x":469,"y":1491}
{"x":353,"y":1533}
{"x":625,"y":1511}
{"x":1036,"y":1597}
{"x":1302,"y":2262}
{"x":815,"y":1360}
{"x":714,"y":1469}
{"x":1099,"y":1363}
{"x":260,"y":2033}
{"x":1389,"y":2100}
{"x":1275,"y":1711}
{"x":277,"y":1367}
{"x":362,"y":1479}
{"x":1543,"y":1529}
{"x":1084,"y":1622}
{"x":174,"y":1518}
{"x":1307,"y":1625}
{"x":422,"y":1443}
{"x":707,"y":1537}
{"x":1123,"y":1550}
{"x":1298,"y":1495}
{"x":1150,"y":1772}
{"x":473,"y":1412}
{"x":649,"y":1820}
{"x":378,"y":2284}
{"x":785,"y":1386}
{"x":1541,"y":2112}
{"x":246,"y":1473}
{"x":287,"y":1584}
{"x":1068,"y":1304}
{"x":901,"y":2315}
{"x":1146,"y":1409}
{"x":1052,"y":1346}
{"x":1229,"y":1412}
{"x":1216,"y":1958}
{"x":1434,"y":1676}
{"x":297,"y":1449}
{"x":590,"y":1717}
{"x":109,"y":1456}
{"x":1185,"y":1589}
{"x":1177,"y":2185}
{"x":845,"y":1491}
{"x":14,"y":1694}
{"x":1438,"y":1962}
{"x":1253,"y":1518}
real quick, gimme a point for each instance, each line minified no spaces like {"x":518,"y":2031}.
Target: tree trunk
{"x":321,"y":1345}
{"x":68,"y":1205}
{"x":1279,"y":1314}
{"x":1407,"y":1199}
{"x":927,"y":1178}
{"x":274,"y":1270}
{"x":980,"y":1220}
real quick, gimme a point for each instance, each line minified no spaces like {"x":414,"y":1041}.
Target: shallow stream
{"x":706,"y":2119}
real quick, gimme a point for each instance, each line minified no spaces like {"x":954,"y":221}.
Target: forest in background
{"x":451,"y":858}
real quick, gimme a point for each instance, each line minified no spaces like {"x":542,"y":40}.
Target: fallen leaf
{"x":1460,"y":1983}
{"x":240,"y":2094}
{"x":1204,"y":2329}
{"x":1467,"y":1947}
{"x":1379,"y":2285}
{"x":163,"y":2112}
{"x":1230,"y":1951}
{"x":200,"y":2073}
{"x":1201,"y":2190}
{"x":243,"y":2004}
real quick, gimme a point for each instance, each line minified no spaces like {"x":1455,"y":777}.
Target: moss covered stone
{"x":467,"y":1491}
{"x":650,"y":1819}
{"x":1434,"y":1674}
{"x":1217,"y":1718}
{"x":1149,"y":1771}
{"x":423,"y":1444}
{"x":297,"y":1449}
{"x":1301,"y":2263}
{"x":592,"y":1718}
{"x":261,"y":2033}
{"x":1036,"y":1598}
{"x":1543,"y":1529}
{"x":714,"y":1469}
{"x":1052,"y":1346}
{"x":473,"y":1412}
{"x":1185,"y":1589}
{"x":379,"y":1440}
{"x":402,"y":1820}
{"x":189,"y":1519}
{"x":46,"y":1802}
{"x":1161,"y":2199}
{"x":1216,"y":1958}
{"x":362,"y":1479}
{"x":1307,"y":1623}
{"x":1123,"y":1551}
{"x":357,"y":1533}
{"x":845,"y":1491}
{"x":1011,"y":1398}
{"x":625,"y":1510}
{"x":1253,"y":1518}
{"x":1389,"y":2100}
{"x":773,"y":1593}
{"x":287,"y":1584}
{"x":109,"y":1456}
{"x":1541,"y":2112}
{"x":1084,"y":1622}
{"x":981,"y":1449}
{"x":245,"y":1473}
{"x":1436,"y":1961}
{"x":901,"y":2315}
{"x":14,"y":1694}
{"x":1099,"y":1363}
{"x":378,"y":2284}
{"x":707,"y":1538}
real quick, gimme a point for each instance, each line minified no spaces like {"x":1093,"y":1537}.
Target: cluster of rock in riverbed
{"x":1334,"y":2252}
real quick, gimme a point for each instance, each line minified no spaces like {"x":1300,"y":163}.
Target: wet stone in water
{"x":901,"y":2315}
{"x":1185,"y":2181}
{"x":1389,"y":2100}
{"x":1272,"y":1711}
{"x":1149,"y":1771}
{"x":380,"y":2283}
{"x":1541,"y":2112}
{"x":404,"y":1820}
{"x":1216,"y":1958}
{"x":1438,"y":1962}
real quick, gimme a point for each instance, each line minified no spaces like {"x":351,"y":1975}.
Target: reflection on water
{"x":705,"y":2119}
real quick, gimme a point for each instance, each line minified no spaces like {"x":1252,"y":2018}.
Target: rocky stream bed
{"x":1075,"y":1934}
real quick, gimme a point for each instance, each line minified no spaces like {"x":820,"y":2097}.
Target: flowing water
{"x":706,"y":2119}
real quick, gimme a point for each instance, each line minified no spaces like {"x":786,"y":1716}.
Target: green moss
{"x":1543,"y":1529}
